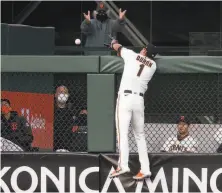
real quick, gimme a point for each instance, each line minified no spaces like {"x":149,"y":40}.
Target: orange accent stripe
{"x":118,"y":131}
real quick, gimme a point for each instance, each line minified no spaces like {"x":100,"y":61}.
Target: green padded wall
{"x":101,"y":112}
{"x":169,"y":64}
{"x":69,"y":64}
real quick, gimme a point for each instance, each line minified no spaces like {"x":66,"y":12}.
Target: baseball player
{"x":138,"y":71}
{"x":183,"y":142}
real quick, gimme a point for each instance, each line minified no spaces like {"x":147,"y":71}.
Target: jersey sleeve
{"x":125,"y":53}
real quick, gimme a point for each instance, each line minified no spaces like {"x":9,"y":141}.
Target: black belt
{"x":131,"y":92}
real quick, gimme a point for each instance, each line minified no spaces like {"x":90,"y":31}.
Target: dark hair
{"x":6,"y":100}
{"x":183,"y":119}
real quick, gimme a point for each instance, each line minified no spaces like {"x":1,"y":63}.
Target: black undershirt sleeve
{"x":119,"y":50}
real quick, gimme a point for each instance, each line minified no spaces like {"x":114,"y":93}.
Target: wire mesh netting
{"x":194,"y":96}
{"x":49,"y":112}
{"x":70,"y":125}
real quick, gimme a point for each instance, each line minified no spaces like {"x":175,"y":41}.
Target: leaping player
{"x":138,"y":71}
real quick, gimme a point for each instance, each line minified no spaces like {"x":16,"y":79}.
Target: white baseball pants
{"x":130,"y":107}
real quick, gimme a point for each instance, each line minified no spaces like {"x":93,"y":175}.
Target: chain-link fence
{"x":61,"y":99}
{"x":198,"y":97}
{"x":36,"y":97}
{"x":70,"y":127}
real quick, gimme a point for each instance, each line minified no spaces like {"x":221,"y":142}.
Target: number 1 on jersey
{"x":141,"y":69}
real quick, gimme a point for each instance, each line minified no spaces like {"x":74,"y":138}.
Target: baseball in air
{"x":77,"y":41}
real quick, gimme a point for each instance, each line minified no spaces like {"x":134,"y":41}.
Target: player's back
{"x":138,"y":71}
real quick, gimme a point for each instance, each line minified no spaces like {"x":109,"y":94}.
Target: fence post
{"x":101,"y":112}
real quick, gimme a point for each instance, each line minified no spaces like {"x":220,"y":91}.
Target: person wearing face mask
{"x":63,"y":120}
{"x":16,"y":133}
{"x":97,"y":30}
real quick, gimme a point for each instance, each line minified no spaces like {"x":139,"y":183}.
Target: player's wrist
{"x":113,"y":43}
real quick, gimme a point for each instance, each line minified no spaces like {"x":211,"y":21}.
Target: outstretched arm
{"x":121,"y":51}
{"x":116,"y":46}
{"x":120,"y":22}
{"x":86,"y":26}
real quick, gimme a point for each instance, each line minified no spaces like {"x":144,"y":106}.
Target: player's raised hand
{"x":87,"y":17}
{"x":121,"y":14}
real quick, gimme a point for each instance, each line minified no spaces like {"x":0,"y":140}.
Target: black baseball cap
{"x":183,"y":119}
{"x":101,"y":6}
{"x":151,"y":50}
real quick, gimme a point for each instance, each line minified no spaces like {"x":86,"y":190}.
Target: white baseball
{"x":77,"y":41}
